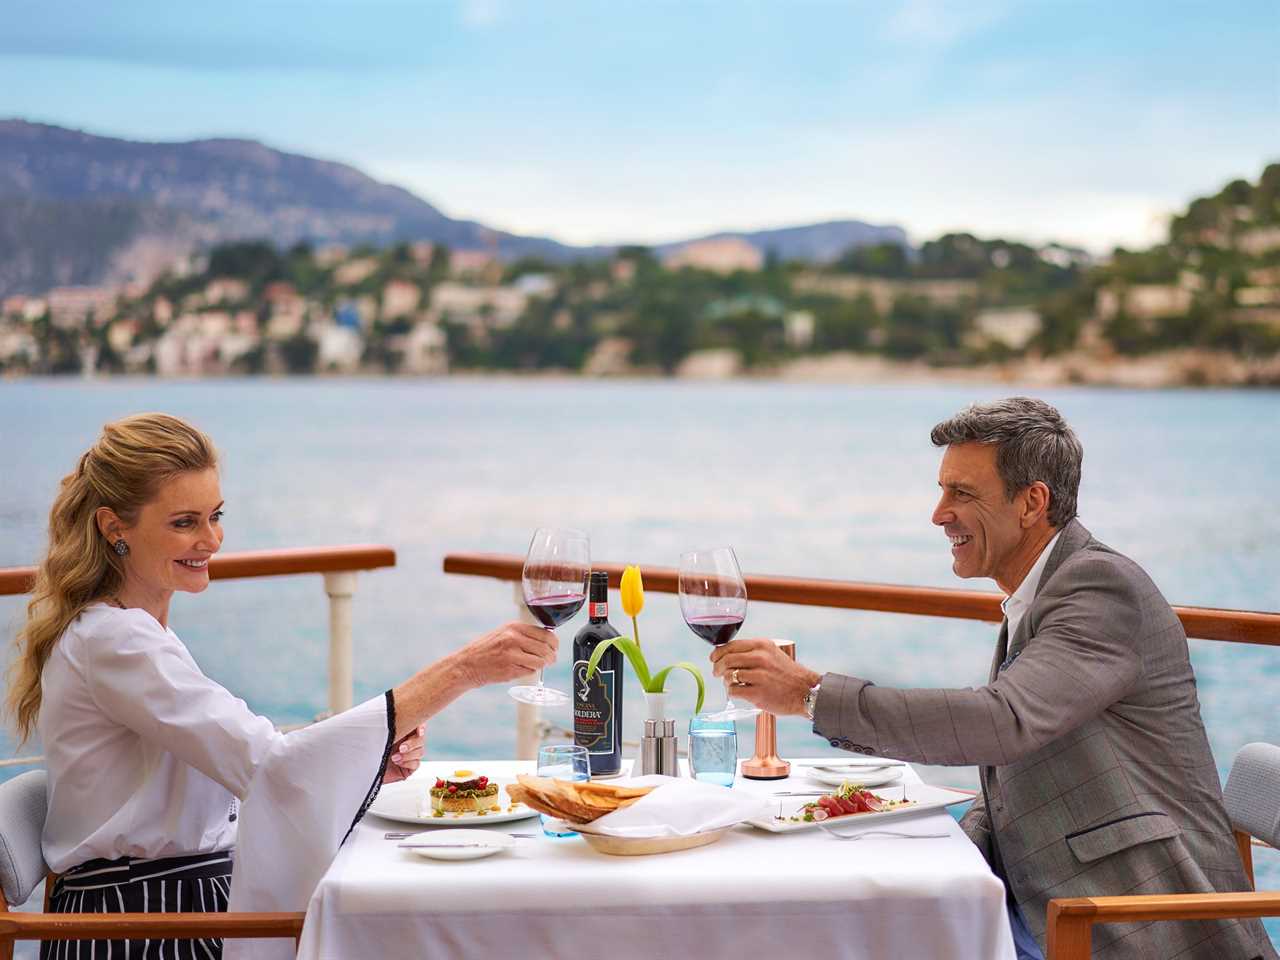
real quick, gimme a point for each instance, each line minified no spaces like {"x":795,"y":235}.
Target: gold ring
{"x":733,"y":677}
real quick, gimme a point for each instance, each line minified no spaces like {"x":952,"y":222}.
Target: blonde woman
{"x":148,"y":758}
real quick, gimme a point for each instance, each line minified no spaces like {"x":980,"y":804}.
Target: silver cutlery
{"x":883,"y":833}
{"x":856,"y":764}
{"x":398,"y":835}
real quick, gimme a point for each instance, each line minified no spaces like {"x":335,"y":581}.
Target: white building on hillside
{"x":720,"y":255}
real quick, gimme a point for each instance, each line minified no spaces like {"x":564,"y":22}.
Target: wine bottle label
{"x":593,"y":702}
{"x":600,"y":610}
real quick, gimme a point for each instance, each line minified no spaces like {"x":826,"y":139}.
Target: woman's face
{"x":176,"y":534}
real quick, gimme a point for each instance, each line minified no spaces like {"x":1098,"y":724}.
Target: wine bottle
{"x":597,"y":703}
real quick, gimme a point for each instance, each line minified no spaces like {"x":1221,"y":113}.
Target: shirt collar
{"x":1017,"y":602}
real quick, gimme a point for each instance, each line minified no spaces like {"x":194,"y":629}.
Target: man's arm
{"x":1080,"y":661}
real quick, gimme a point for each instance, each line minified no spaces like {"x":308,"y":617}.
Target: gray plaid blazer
{"x":1096,"y":772}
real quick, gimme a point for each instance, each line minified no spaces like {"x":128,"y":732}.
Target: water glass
{"x":713,"y":749}
{"x":562,"y":761}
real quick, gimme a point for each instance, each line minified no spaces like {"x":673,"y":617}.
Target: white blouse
{"x":148,"y":757}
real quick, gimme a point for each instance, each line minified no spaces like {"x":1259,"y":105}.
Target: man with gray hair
{"x":1096,"y":773}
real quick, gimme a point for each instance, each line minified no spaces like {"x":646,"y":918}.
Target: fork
{"x":884,"y":833}
{"x":395,"y":835}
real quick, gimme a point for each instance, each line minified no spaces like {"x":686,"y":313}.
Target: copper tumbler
{"x":766,"y":764}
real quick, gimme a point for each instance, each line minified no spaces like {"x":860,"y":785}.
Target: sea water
{"x":803,"y":480}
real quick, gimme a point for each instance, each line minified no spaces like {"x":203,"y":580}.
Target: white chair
{"x":1252,"y":797}
{"x":23,"y":804}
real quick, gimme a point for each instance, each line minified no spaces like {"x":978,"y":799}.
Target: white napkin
{"x":678,"y":807}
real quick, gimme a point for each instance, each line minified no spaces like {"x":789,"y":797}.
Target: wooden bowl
{"x":643,"y":846}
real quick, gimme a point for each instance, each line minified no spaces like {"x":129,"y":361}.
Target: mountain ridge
{"x":124,"y":195}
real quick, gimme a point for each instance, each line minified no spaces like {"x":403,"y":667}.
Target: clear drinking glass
{"x":713,"y":600}
{"x":555,"y":585}
{"x":562,"y":761}
{"x":713,"y":749}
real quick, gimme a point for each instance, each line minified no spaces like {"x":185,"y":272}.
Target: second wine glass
{"x":713,"y":600}
{"x":554,"y":582}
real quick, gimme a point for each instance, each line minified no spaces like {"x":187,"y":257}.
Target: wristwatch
{"x":811,"y":700}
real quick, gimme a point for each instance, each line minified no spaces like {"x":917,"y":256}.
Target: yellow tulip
{"x":632,"y":591}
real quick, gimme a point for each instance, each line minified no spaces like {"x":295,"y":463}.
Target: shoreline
{"x":1179,"y":369}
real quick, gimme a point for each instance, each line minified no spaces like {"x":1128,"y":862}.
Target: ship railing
{"x":337,"y":565}
{"x":1200,"y":623}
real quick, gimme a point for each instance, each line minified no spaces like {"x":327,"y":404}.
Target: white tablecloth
{"x":751,"y":894}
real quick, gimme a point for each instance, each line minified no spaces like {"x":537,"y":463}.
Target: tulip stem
{"x":635,"y":625}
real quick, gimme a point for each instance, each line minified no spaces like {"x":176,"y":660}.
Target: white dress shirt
{"x":1019,"y":602}
{"x":148,"y":757}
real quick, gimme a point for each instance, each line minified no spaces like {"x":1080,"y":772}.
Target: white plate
{"x":488,"y":843}
{"x":922,"y":796}
{"x":403,"y":802}
{"x":859,"y":778}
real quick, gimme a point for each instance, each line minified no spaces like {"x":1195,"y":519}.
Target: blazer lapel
{"x":1074,"y":536}
{"x":1002,"y":645}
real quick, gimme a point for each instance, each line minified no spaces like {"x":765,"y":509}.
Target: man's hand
{"x":513,"y":650}
{"x":758,"y":671}
{"x":406,"y":755}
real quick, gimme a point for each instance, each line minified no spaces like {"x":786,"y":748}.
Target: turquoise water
{"x":828,"y":481}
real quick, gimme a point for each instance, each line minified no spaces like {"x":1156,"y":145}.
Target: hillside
{"x":76,"y":208}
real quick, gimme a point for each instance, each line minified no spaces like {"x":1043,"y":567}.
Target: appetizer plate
{"x":922,"y":796}
{"x":458,"y":844}
{"x":405,"y":801}
{"x":859,"y":778}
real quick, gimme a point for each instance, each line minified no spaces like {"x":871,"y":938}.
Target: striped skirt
{"x":196,"y":884}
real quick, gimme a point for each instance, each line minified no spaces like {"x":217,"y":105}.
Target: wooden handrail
{"x":157,"y":926}
{"x":1203,"y":623}
{"x":254,"y":563}
{"x":1069,"y":922}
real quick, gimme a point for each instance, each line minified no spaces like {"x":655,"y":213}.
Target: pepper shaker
{"x":668,"y":763}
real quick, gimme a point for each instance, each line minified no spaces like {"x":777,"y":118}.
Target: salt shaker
{"x":650,"y":750}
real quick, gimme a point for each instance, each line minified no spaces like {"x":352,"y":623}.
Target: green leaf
{"x":660,"y":680}
{"x":632,"y":651}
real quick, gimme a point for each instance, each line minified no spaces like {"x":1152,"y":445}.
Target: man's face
{"x":983,"y":526}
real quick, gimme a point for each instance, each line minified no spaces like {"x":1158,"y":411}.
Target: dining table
{"x":753,"y":893}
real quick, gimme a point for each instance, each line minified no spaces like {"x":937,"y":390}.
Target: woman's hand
{"x":513,"y":650}
{"x":406,"y":755}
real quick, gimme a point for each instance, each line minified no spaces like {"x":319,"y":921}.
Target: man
{"x":1096,"y":774}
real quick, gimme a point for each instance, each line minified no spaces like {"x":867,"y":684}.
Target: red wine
{"x":555,"y":610}
{"x":597,"y":703}
{"x":715,"y":630}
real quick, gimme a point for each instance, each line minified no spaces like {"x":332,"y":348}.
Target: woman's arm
{"x":513,"y":650}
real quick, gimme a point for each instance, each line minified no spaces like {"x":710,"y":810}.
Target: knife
{"x":857,"y":764}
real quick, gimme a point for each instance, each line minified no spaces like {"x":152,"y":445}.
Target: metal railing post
{"x":340,"y":585}
{"x":527,"y":714}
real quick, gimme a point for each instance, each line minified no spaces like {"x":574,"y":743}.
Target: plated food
{"x":570,"y":801}
{"x":464,"y":792}
{"x":847,"y":800}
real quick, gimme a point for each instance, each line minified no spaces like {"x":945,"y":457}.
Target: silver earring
{"x":121,"y":548}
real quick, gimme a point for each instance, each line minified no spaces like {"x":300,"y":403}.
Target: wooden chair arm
{"x":157,"y":926}
{"x":1069,"y":927}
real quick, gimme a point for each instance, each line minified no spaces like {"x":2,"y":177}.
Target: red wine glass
{"x":713,"y":600}
{"x":555,"y":585}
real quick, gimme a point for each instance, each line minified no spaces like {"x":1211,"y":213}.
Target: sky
{"x":624,"y":121}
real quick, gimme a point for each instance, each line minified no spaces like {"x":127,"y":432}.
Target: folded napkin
{"x":679,"y":807}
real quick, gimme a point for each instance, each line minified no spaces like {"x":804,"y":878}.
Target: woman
{"x":148,"y":758}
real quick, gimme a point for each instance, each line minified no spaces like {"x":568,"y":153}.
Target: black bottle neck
{"x":598,"y":598}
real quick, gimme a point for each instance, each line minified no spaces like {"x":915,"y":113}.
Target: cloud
{"x":938,"y":24}
{"x":479,"y":14}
